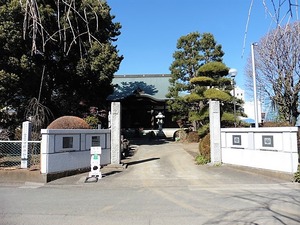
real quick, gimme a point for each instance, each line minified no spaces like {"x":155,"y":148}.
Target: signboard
{"x":96,"y":150}
{"x":95,"y":164}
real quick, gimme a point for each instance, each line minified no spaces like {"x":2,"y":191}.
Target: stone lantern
{"x":160,"y":121}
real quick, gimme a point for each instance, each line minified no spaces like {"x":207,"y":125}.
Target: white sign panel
{"x":96,"y":150}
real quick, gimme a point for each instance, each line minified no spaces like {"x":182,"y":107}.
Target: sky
{"x":151,"y":28}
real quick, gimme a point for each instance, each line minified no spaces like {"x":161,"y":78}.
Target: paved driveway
{"x":161,"y":185}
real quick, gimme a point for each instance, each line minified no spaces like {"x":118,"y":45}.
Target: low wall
{"x":166,"y":132}
{"x":69,"y":149}
{"x":273,"y":148}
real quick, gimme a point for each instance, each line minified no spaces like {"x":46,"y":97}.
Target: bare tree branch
{"x":33,"y":23}
{"x":278,"y":69}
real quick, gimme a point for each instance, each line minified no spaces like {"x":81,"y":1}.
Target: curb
{"x":21,"y":176}
{"x":264,"y":172}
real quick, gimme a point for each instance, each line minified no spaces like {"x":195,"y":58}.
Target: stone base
{"x":21,"y":176}
{"x":26,"y":175}
{"x":54,"y":176}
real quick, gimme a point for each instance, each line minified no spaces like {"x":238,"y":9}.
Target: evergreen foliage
{"x":203,"y":81}
{"x":92,"y":121}
{"x":213,"y":70}
{"x":216,"y":94}
{"x":199,"y":75}
{"x":65,"y":57}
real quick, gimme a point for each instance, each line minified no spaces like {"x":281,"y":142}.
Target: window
{"x":95,"y":141}
{"x":67,"y":142}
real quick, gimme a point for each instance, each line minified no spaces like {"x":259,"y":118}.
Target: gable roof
{"x":154,"y":85}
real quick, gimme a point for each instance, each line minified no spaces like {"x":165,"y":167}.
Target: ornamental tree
{"x":198,"y":75}
{"x":212,"y":83}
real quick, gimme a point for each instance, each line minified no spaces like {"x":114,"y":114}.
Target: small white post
{"x":26,"y":136}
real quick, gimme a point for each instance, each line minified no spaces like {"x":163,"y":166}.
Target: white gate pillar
{"x":215,"y":131}
{"x":115,"y":132}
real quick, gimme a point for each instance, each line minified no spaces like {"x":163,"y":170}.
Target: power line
{"x":246,"y":30}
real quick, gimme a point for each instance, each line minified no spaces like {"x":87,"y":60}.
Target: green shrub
{"x":93,"y":121}
{"x":297,"y":175}
{"x":204,"y":147}
{"x":201,"y":160}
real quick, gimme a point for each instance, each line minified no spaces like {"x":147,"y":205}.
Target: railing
{"x":10,"y":154}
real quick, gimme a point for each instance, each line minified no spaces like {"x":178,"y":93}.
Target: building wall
{"x":248,"y":105}
{"x":249,"y":110}
{"x":239,"y":93}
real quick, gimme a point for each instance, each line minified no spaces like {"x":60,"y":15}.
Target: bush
{"x":192,"y":136}
{"x":201,"y":160}
{"x":297,"y":175}
{"x":276,"y":124}
{"x":68,"y":122}
{"x":204,"y":147}
{"x":92,"y":121}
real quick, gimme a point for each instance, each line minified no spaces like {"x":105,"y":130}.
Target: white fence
{"x":273,"y":148}
{"x":69,"y":149}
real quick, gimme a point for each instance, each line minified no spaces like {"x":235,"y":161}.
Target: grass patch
{"x":201,"y":160}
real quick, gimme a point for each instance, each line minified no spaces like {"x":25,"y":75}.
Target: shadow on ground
{"x":141,"y":161}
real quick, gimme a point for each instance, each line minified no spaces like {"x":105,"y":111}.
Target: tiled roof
{"x":155,"y":85}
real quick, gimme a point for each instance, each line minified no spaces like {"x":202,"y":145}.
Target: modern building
{"x":249,"y":110}
{"x":239,"y":93}
{"x":248,"y":106}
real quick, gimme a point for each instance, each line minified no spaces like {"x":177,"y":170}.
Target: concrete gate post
{"x":115,"y":133}
{"x":215,"y":131}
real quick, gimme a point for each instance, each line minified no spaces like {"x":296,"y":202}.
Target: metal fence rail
{"x":10,"y":153}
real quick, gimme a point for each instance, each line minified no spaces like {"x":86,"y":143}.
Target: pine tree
{"x":198,"y":75}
